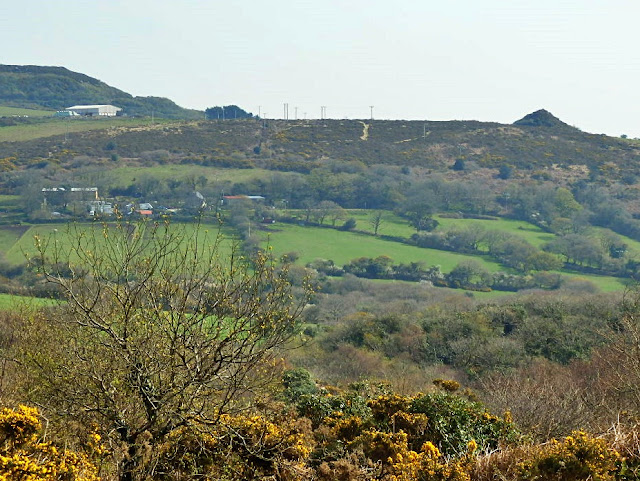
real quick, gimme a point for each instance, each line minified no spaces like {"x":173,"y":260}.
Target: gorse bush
{"x":578,"y":456}
{"x":23,"y":458}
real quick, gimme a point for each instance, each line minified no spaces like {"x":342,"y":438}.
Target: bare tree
{"x":324,"y":209}
{"x":163,"y":327}
{"x":376,"y":220}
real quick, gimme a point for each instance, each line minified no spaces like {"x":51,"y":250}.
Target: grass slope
{"x":15,"y":111}
{"x":9,"y":236}
{"x":60,"y":126}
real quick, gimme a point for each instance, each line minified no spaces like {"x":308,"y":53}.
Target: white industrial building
{"x":95,"y":110}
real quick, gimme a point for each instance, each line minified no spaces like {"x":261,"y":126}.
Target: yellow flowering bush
{"x":187,"y":451}
{"x":579,"y":456}
{"x":399,"y":463}
{"x":288,"y":440}
{"x":447,"y":384}
{"x":349,"y":428}
{"x":239,"y":447}
{"x":19,"y":426}
{"x":384,"y":407}
{"x":22,"y":458}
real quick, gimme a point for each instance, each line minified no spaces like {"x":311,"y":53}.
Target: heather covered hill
{"x":528,"y":146}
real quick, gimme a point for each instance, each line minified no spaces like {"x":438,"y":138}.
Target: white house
{"x":95,"y":110}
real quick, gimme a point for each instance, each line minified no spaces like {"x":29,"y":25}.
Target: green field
{"x":394,"y":225}
{"x":529,"y":232}
{"x":60,"y":126}
{"x":391,"y":225}
{"x":313,"y":242}
{"x":9,"y":237}
{"x":24,"y":246}
{"x":7,"y":201}
{"x":10,"y":302}
{"x":14,"y":111}
{"x":124,"y":176}
{"x":604,"y":283}
{"x":21,"y":247}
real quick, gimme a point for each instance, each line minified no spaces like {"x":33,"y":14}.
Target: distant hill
{"x":31,"y":86}
{"x":541,"y":118}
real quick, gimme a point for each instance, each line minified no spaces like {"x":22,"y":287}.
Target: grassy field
{"x":394,"y":225}
{"x":11,"y":208}
{"x":633,"y":246}
{"x":60,"y":126}
{"x":10,"y":302}
{"x":341,"y":247}
{"x":14,"y":111}
{"x":391,"y":224}
{"x":9,"y":236}
{"x":312,"y":242}
{"x":23,"y":246}
{"x":124,"y":176}
{"x":529,"y":232}
{"x":604,"y":283}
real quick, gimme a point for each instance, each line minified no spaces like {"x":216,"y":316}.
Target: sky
{"x":485,"y":60}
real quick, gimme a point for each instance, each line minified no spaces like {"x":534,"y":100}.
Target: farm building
{"x":75,"y":199}
{"x":231,"y":199}
{"x":98,"y":207}
{"x":95,"y":110}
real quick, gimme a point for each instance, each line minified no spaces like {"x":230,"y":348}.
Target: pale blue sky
{"x":416,"y":59}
